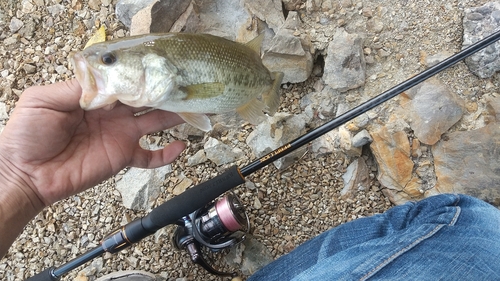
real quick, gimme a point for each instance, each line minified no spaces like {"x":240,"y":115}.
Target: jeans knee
{"x":478,"y":213}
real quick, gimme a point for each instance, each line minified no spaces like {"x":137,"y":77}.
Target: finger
{"x":148,"y":159}
{"x":61,"y":96}
{"x":157,"y":120}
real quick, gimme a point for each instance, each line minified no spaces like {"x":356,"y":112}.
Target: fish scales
{"x":201,"y":61}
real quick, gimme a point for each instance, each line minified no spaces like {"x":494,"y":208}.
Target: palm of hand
{"x":59,"y":150}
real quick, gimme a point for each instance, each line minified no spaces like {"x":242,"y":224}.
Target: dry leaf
{"x":99,"y":36}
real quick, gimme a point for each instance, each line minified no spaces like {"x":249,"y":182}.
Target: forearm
{"x":17,"y":208}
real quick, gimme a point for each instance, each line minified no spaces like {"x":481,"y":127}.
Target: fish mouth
{"x":91,"y":82}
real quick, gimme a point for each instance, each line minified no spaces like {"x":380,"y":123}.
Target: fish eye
{"x":108,"y":58}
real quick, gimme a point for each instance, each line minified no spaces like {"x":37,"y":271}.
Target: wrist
{"x":18,"y":205}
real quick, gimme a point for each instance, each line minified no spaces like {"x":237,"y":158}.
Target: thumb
{"x":148,"y":159}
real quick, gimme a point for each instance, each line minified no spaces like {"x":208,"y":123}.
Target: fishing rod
{"x":197,"y":197}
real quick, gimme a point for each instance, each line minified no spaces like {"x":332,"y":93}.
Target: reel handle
{"x":194,"y":252}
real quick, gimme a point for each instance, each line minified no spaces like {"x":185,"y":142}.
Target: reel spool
{"x":219,"y":225}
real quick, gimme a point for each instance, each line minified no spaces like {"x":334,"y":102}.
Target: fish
{"x":191,"y":74}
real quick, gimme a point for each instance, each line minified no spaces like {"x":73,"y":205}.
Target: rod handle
{"x":189,"y":201}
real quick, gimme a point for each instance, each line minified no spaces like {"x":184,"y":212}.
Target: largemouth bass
{"x":190,"y":74}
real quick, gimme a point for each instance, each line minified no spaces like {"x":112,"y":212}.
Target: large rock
{"x":126,"y":9}
{"x":362,"y":138}
{"x":478,"y":23}
{"x":227,"y":19}
{"x":141,"y":187}
{"x":217,"y":17}
{"x":493,"y":107}
{"x":326,"y":144}
{"x":285,"y":53}
{"x":460,"y":162}
{"x":198,"y":158}
{"x":167,"y":12}
{"x":323,"y":104}
{"x":391,"y":150}
{"x":275,"y":132}
{"x":350,"y":137}
{"x":432,"y":109}
{"x":221,"y":153}
{"x":345,"y":64}
{"x":187,"y":21}
{"x":269,"y":11}
{"x":469,"y":162}
{"x":356,"y":177}
{"x":295,"y":68}
{"x":249,"y":256}
{"x":392,"y":153}
{"x":346,"y":143}
{"x":158,"y":17}
{"x":141,"y":21}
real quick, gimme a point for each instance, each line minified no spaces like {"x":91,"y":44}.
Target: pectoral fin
{"x":197,"y":120}
{"x":203,"y":91}
{"x":252,"y":111}
{"x":272,"y":98}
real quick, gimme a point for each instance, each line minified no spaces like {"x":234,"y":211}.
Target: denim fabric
{"x":444,"y":237}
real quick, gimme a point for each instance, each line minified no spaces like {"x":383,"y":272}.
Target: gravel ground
{"x":286,"y":207}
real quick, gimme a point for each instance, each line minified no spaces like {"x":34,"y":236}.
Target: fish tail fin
{"x":272,"y":98}
{"x":256,"y":43}
{"x":252,"y":111}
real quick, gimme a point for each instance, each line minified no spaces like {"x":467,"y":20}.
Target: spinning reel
{"x":217,"y":226}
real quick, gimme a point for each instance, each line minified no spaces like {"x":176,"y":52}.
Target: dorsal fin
{"x":255,"y":43}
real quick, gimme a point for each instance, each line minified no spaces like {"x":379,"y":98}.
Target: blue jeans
{"x":444,"y":237}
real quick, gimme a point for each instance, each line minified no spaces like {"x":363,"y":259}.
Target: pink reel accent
{"x":225,"y":212}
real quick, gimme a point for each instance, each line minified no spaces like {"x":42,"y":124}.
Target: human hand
{"x":57,"y":149}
